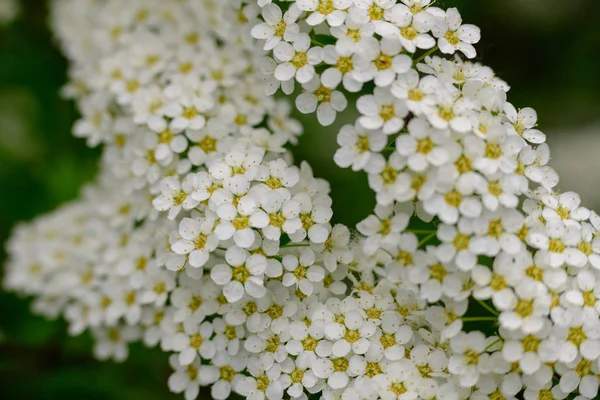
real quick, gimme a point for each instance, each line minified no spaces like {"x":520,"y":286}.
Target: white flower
{"x":278,"y":176}
{"x":197,"y":239}
{"x":565,"y":207}
{"x":243,"y":274}
{"x":185,"y":379}
{"x":449,"y":205}
{"x":452,"y":36}
{"x":169,"y":142}
{"x":401,"y":381}
{"x":418,"y":93}
{"x":357,"y":146}
{"x":530,"y":309}
{"x":277,"y":28}
{"x":384,"y":227}
{"x":222,"y":374}
{"x":469,"y":359}
{"x":342,"y":68}
{"x":413,"y":27}
{"x":297,"y":60}
{"x":302,"y":272}
{"x":325,"y":101}
{"x":423,"y":145}
{"x":237,"y":222}
{"x":332,"y":11}
{"x":382,"y":111}
{"x":283,"y":216}
{"x":523,"y":123}
{"x":381,"y":61}
{"x":262,"y":384}
{"x":530,"y":351}
{"x":194,"y":341}
{"x":111,"y":342}
{"x":315,"y":216}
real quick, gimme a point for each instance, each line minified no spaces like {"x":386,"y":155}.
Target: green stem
{"x":420,"y":231}
{"x":295,"y":245}
{"x":489,"y":346}
{"x":478,"y":319}
{"x":428,"y":53}
{"x":427,"y":238}
{"x":389,"y":148}
{"x":316,"y":42}
{"x":487,"y":307}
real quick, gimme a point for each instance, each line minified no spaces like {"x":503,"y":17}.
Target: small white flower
{"x":174,"y":197}
{"x":452,"y":36}
{"x":302,"y":272}
{"x":332,"y":11}
{"x":382,"y":111}
{"x":358,"y":146}
{"x":277,"y":27}
{"x":297,"y":60}
{"x":197,"y":239}
{"x":325,"y":101}
{"x":243,"y":274}
{"x":193,"y":342}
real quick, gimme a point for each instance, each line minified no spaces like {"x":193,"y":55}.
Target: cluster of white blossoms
{"x":473,"y":278}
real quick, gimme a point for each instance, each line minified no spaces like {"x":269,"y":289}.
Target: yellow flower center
{"x":375,"y":12}
{"x":240,"y":222}
{"x":453,"y":198}
{"x":323,"y":94}
{"x":471,"y":357}
{"x":437,"y":272}
{"x":195,"y":303}
{"x":461,"y":241}
{"x":524,"y":308}
{"x":556,"y":246}
{"x":344,"y":65}
{"x":383,"y":62}
{"x":397,"y":388}
{"x":530,"y":343}
{"x":415,"y":94}
{"x":279,"y":29}
{"x":576,"y":335}
{"x":463,"y":164}
{"x":165,"y":136}
{"x":299,"y":60}
{"x":275,"y":311}
{"x":326,"y":7}
{"x":352,"y":336}
{"x":493,"y":151}
{"x":309,"y":343}
{"x":227,"y":373}
{"x":240,"y":274}
{"x":196,"y":341}
{"x":389,"y":175}
{"x":340,"y":364}
{"x":297,"y":375}
{"x":208,"y":144}
{"x":262,"y":383}
{"x":452,"y":38}
{"x":425,"y":146}
{"x":363,"y":144}
{"x":409,"y":32}
{"x":495,"y":228}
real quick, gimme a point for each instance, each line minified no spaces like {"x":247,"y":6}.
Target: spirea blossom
{"x":472,"y":277}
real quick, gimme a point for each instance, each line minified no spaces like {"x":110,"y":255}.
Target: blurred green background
{"x":547,"y":50}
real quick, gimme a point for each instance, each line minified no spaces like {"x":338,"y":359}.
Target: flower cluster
{"x":473,"y":278}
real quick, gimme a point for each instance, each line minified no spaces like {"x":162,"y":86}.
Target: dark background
{"x":547,"y":50}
